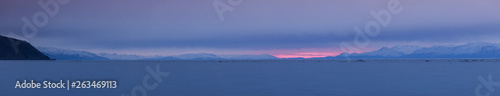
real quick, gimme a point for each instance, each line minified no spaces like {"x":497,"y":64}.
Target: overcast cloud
{"x":253,"y":27}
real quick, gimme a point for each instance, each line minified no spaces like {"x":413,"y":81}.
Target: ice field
{"x":373,"y":77}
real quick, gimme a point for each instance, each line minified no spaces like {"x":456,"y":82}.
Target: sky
{"x":283,"y":28}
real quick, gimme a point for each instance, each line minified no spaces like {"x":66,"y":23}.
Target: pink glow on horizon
{"x":307,"y":55}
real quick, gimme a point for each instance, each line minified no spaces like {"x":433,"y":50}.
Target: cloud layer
{"x":254,"y":25}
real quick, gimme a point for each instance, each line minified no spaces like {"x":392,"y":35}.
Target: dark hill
{"x":13,"y":49}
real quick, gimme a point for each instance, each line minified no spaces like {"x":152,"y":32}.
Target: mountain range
{"x":66,"y":54}
{"x":470,"y":50}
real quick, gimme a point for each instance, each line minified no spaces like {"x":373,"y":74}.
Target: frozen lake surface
{"x":376,"y":77}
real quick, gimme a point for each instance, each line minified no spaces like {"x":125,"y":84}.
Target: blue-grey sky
{"x":278,"y":27}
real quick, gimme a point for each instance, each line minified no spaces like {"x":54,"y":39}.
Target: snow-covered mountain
{"x":199,"y":56}
{"x":65,"y":54}
{"x":385,"y":52}
{"x":249,"y":57}
{"x":471,"y":50}
{"x":207,"y":56}
{"x":114,"y":56}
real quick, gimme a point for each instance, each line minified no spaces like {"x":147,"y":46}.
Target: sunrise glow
{"x":307,"y":55}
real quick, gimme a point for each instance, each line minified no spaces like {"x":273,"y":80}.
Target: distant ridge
{"x":207,"y":56}
{"x":65,"y":54}
{"x":470,"y":50}
{"x":14,"y":49}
